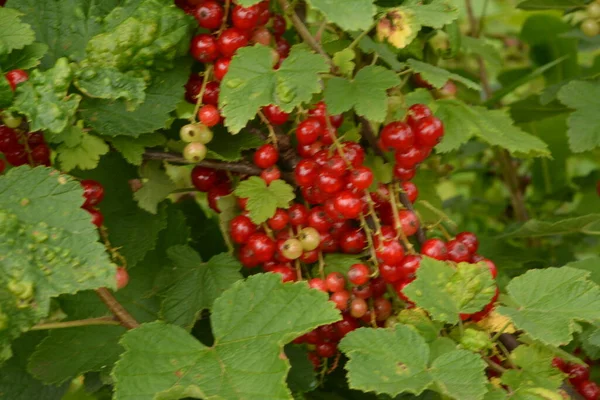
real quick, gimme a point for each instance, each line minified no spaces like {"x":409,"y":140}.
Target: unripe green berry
{"x":11,"y":121}
{"x":292,"y":249}
{"x":195,"y":133}
{"x":593,"y":10}
{"x":194,"y":152}
{"x":590,"y":28}
{"x":310,"y":238}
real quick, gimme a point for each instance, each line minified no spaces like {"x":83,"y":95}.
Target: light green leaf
{"x":25,"y":58}
{"x":384,"y":51}
{"x":460,"y":374}
{"x":435,"y":14}
{"x":387,"y":361}
{"x":446,"y":292}
{"x":44,"y":100}
{"x":251,"y":83}
{"x":535,"y":369}
{"x":49,"y":247}
{"x":85,"y":155}
{"x":196,"y":285}
{"x":14,"y":34}
{"x":480,"y":47}
{"x":156,"y":186}
{"x":67,"y":353}
{"x":546,"y":303}
{"x":6,"y":93}
{"x":228,"y":147}
{"x":357,"y":15}
{"x":344,"y":60}
{"x":592,"y":265}
{"x":133,"y":149}
{"x":584,"y":122}
{"x":366,"y":93}
{"x":382,"y":171}
{"x":550,"y":4}
{"x":251,"y":322}
{"x":437,"y":76}
{"x":418,"y":319}
{"x":461,"y":122}
{"x":590,"y":341}
{"x":112,"y":118}
{"x":110,"y":83}
{"x":264,"y":200}
{"x":587,"y":224}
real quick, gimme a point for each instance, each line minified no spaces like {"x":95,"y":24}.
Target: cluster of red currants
{"x":579,"y":377}
{"x":227,"y":33}
{"x":23,"y":148}
{"x":93,"y":193}
{"x":214,"y":183}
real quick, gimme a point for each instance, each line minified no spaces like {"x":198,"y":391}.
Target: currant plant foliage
{"x":266,"y":199}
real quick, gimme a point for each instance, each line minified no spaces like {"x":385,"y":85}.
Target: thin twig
{"x":495,"y":366}
{"x":176,"y":158}
{"x":117,"y":309}
{"x":303,"y":31}
{"x":76,"y":323}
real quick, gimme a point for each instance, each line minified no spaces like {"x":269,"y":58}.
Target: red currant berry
{"x":204,"y":48}
{"x":215,"y":193}
{"x":211,"y":93}
{"x":35,"y":139}
{"x":326,"y":349}
{"x":93,"y":192}
{"x":335,"y":282}
{"x":122,"y":277}
{"x":97,"y":217}
{"x":398,"y":136}
{"x":230,"y":40}
{"x":378,"y":286}
{"x":410,"y":158}
{"x":283,"y":47}
{"x":287,"y":273}
{"x":589,"y":390}
{"x":435,"y":248}
{"x":245,"y":18}
{"x":409,"y":222}
{"x":204,"y":178}
{"x":320,"y":111}
{"x":310,"y":256}
{"x":409,"y":265}
{"x":9,"y":141}
{"x":329,"y":244}
{"x":353,"y":242}
{"x":390,"y":252}
{"x":457,"y":251}
{"x":358,"y":274}
{"x":298,"y":214}
{"x":278,"y":221}
{"x":382,"y":308}
{"x":399,"y":287}
{"x":275,"y":115}
{"x":270,"y":174}
{"x":470,"y":240}
{"x":209,"y":115}
{"x":361,"y":178}
{"x":559,"y":363}
{"x":41,"y":155}
{"x":308,"y":131}
{"x":193,"y":88}
{"x":578,"y":373}
{"x":279,"y":25}
{"x":428,"y":131}
{"x":266,"y":156}
{"x":417,"y":112}
{"x":492,"y":267}
{"x":220,"y":68}
{"x":2,"y":166}
{"x":18,"y":157}
{"x":15,"y":77}
{"x":306,"y":172}
{"x":309,"y":150}
{"x":262,"y":247}
{"x":403,"y":174}
{"x":318,"y":283}
{"x":335,"y":165}
{"x":340,"y":299}
{"x":332,"y":211}
{"x":346,"y":325}
{"x":348,"y":204}
{"x":264,"y":13}
{"x":318,"y":219}
{"x":209,"y":14}
{"x":241,"y":228}
{"x":329,"y":183}
{"x":354,"y":153}
{"x":411,"y":191}
{"x":358,"y":307}
{"x":390,"y":273}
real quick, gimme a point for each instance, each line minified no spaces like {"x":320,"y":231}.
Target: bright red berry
{"x":457,"y":251}
{"x":245,"y":18}
{"x":417,"y":112}
{"x":354,"y":153}
{"x":262,"y":247}
{"x":411,"y":190}
{"x":318,"y":219}
{"x":403,"y":174}
{"x":122,"y":277}
{"x":230,"y":40}
{"x":97,"y":217}
{"x":279,"y":220}
{"x":270,"y":174}
{"x":470,"y":240}
{"x":353,"y":242}
{"x":361,"y":178}
{"x":204,"y":48}
{"x":389,"y":251}
{"x":220,"y":68}
{"x":308,"y":131}
{"x":391,"y":273}
{"x":326,"y":349}
{"x":209,"y":115}
{"x":340,"y":299}
{"x":317,"y":283}
{"x":398,"y":136}
{"x":287,"y":273}
{"x":320,"y":111}
{"x":589,"y":390}
{"x":348,"y":204}
{"x":428,"y":131}
{"x":335,"y":165}
{"x":335,"y":282}
{"x":204,"y":178}
{"x":275,"y":115}
{"x":298,"y":214}
{"x":93,"y":192}
{"x":279,"y":25}
{"x":578,"y":373}
{"x":15,"y":77}
{"x":241,"y":228}
{"x":435,"y":248}
{"x":209,"y":14}
{"x":409,"y":265}
{"x":266,"y":156}
{"x":358,"y":274}
{"x":211,"y":93}
{"x":410,"y":158}
{"x":559,"y":363}
{"x":409,"y":222}
{"x":306,"y":172}
{"x":215,"y":193}
{"x":329,"y":183}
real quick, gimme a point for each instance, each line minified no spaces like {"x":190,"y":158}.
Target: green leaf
{"x":344,"y":60}
{"x":133,"y":148}
{"x":460,"y":374}
{"x":264,"y":200}
{"x":67,"y":353}
{"x":140,"y":35}
{"x":592,"y":265}
{"x":44,"y":100}
{"x":367,"y":92}
{"x":16,"y":383}
{"x":535,"y":369}
{"x":112,"y":118}
{"x":419,"y":320}
{"x":14,"y":34}
{"x":531,"y":109}
{"x":395,"y":361}
{"x":546,"y":303}
{"x":52,"y":246}
{"x":85,"y":155}
{"x":302,"y":375}
{"x":437,"y":76}
{"x":446,"y":292}
{"x":550,"y":4}
{"x":25,"y":58}
{"x":590,"y":341}
{"x":435,"y":14}
{"x":251,"y":83}
{"x":584,"y":122}
{"x":357,"y":15}
{"x":228,"y":147}
{"x":261,"y":313}
{"x":461,"y":122}
{"x":480,"y":47}
{"x":338,"y":262}
{"x":196,"y":285}
{"x":6,"y":93}
{"x":110,"y":83}
{"x":383,"y":50}
{"x":587,"y":224}
{"x":156,"y":186}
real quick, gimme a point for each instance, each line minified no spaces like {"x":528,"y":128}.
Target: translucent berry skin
{"x":358,"y":274}
{"x":398,"y":136}
{"x":283,"y":47}
{"x":298,"y":214}
{"x":215,"y":193}
{"x":340,"y":299}
{"x":209,"y":14}
{"x":97,"y":217}
{"x":262,"y":246}
{"x":457,"y":251}
{"x":403,"y":174}
{"x":589,"y":390}
{"x":348,"y":204}
{"x":15,"y":77}
{"x":417,"y":112}
{"x":428,"y":131}
{"x":317,"y":283}
{"x":245,"y":18}
{"x":361,"y":178}
{"x":435,"y":248}
{"x":320,"y":111}
{"x":122,"y":277}
{"x":204,"y":48}
{"x":411,"y":190}
{"x":410,"y":158}
{"x":279,"y":221}
{"x":93,"y":192}
{"x":209,"y":115}
{"x":353,"y":242}
{"x":335,"y":282}
{"x":391,"y":273}
{"x":279,"y":25}
{"x":211,"y":93}
{"x":578,"y":373}
{"x":220,"y":68}
{"x":266,"y":156}
{"x":204,"y":178}
{"x":241,"y":228}
{"x":306,"y":172}
{"x":275,"y":115}
{"x":409,"y":222}
{"x":308,"y":131}
{"x":470,"y":240}
{"x":231,"y":40}
{"x":389,"y":252}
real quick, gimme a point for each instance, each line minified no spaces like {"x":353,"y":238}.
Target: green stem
{"x":76,"y":323}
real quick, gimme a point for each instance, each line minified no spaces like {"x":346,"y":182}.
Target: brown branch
{"x":304,"y":33}
{"x":117,"y":309}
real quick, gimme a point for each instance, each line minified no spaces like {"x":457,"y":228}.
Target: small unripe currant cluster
{"x":579,"y":377}
{"x":591,"y":24}
{"x":20,"y":148}
{"x":242,"y":27}
{"x":93,"y":193}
